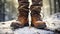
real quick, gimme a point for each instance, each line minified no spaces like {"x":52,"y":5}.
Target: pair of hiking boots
{"x":24,"y":12}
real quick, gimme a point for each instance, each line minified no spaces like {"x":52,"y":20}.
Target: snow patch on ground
{"x":5,"y":27}
{"x":27,"y":30}
{"x":53,"y":22}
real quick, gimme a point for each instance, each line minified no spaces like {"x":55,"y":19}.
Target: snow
{"x":53,"y":22}
{"x":6,"y":29}
{"x":32,"y":30}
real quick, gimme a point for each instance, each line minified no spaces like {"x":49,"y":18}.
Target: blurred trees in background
{"x":8,"y":10}
{"x":50,"y":7}
{"x":2,"y":10}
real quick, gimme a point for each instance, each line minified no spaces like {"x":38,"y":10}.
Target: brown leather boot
{"x":23,"y":14}
{"x":35,"y":14}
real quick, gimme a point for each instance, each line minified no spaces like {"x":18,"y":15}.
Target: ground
{"x":32,"y":30}
{"x":6,"y":29}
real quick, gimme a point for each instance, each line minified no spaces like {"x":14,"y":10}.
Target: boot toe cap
{"x":40,"y":25}
{"x":16,"y":25}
